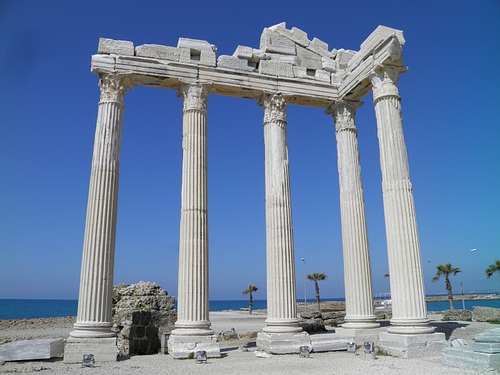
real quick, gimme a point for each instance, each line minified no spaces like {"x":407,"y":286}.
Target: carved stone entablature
{"x":344,"y":114}
{"x":305,"y":70}
{"x":113,"y":87}
{"x":274,"y":109}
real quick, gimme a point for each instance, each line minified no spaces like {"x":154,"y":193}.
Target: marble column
{"x":96,"y":281}
{"x":192,"y":329}
{"x":357,"y":267}
{"x":281,"y":292}
{"x":403,"y":247}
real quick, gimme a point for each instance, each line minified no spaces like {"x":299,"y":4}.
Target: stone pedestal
{"x":182,"y":346}
{"x":403,"y":246}
{"x":357,"y":267}
{"x":283,"y":343}
{"x":412,"y":346}
{"x":359,"y":336}
{"x":103,"y":349}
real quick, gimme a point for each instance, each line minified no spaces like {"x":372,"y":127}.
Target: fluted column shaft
{"x":403,"y":247}
{"x":357,"y":267}
{"x":96,"y":281}
{"x":193,"y":299}
{"x":281,"y":293}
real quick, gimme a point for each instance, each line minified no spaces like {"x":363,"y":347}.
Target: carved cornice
{"x":195,"y":97}
{"x":344,"y":114}
{"x":113,"y":87}
{"x":274,"y":108}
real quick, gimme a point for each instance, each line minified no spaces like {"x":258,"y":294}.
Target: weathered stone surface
{"x":232,"y":62}
{"x":383,"y":314}
{"x":485,"y":314}
{"x":491,"y":335}
{"x":463,"y":315}
{"x":117,"y":47}
{"x":142,"y":313}
{"x":195,"y":44}
{"x":275,"y":69}
{"x":271,"y":41}
{"x":228,"y":335}
{"x":465,"y":357}
{"x":243,"y":52}
{"x":158,"y":52}
{"x":25,"y":350}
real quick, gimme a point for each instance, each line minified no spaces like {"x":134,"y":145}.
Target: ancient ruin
{"x":287,"y":69}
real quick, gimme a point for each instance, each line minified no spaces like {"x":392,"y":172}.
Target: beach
{"x":234,"y":360}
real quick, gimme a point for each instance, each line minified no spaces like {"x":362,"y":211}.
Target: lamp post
{"x":461,"y":287}
{"x":305,"y":285}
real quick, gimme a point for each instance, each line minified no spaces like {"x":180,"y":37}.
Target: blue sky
{"x":48,"y":110}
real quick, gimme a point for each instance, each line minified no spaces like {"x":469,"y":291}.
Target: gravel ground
{"x":234,"y":361}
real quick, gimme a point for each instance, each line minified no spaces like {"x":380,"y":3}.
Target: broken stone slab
{"x":158,"y":52}
{"x":25,"y":350}
{"x":327,"y":342}
{"x":117,"y":47}
{"x":196,"y":44}
{"x":412,"y":346}
{"x":233,"y":62}
{"x":328,"y":64}
{"x":300,"y":37}
{"x":465,"y":357}
{"x":271,"y":41}
{"x":183,"y":346}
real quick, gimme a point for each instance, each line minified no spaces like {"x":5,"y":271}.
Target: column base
{"x":360,"y":322}
{"x":182,"y":346}
{"x":283,"y":343}
{"x":103,"y":349}
{"x":410,"y":326}
{"x":282,"y":326}
{"x":412,"y":346}
{"x":94,"y":330}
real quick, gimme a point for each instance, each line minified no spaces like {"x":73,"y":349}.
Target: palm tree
{"x":492,"y":268}
{"x":317,"y":277}
{"x":251,"y":289}
{"x":446,"y":270}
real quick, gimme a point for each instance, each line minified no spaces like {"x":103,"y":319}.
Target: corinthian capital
{"x":194,"y":97}
{"x":384,"y":79}
{"x":274,"y":108}
{"x":344,"y":114}
{"x":113,"y":87}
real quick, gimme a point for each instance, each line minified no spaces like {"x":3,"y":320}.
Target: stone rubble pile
{"x":141,"y":314}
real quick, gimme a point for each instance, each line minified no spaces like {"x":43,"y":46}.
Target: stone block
{"x":486,"y":347}
{"x":485,"y":314}
{"x":322,"y":75}
{"x":359,"y":336}
{"x":301,"y":72}
{"x":194,"y":56}
{"x":275,"y":69}
{"x":271,"y":41}
{"x":243,"y":52}
{"x":412,"y":346}
{"x":309,"y":59}
{"x":319,"y":45}
{"x":378,"y":36}
{"x":465,"y":357}
{"x":282,"y":343}
{"x":258,"y":55}
{"x":328,"y":64}
{"x":195,"y":44}
{"x":183,"y":346}
{"x":327,"y":342}
{"x":157,"y":51}
{"x":460,"y":315}
{"x":103,"y":349}
{"x":27,"y":350}
{"x":491,"y":335}
{"x":117,"y":47}
{"x":286,"y":59}
{"x":300,"y":37}
{"x":343,"y":57}
{"x":232,"y":62}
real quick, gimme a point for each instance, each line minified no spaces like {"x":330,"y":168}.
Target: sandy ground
{"x":234,"y":361}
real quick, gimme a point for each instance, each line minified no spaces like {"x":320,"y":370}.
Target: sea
{"x":52,"y":308}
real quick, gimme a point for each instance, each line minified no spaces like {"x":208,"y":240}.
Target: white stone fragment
{"x":343,"y":57}
{"x":158,"y":52}
{"x":300,"y":37}
{"x":199,"y":45}
{"x":308,"y":58}
{"x":279,"y":26}
{"x":271,"y":41}
{"x":195,"y":56}
{"x":117,"y":47}
{"x":25,"y":350}
{"x":275,"y":69}
{"x":328,"y":64}
{"x":243,"y":52}
{"x":378,"y":36}
{"x":258,"y":55}
{"x":234,"y":63}
{"x":322,"y":75}
{"x":320,"y":44}
{"x":287,"y":59}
